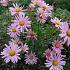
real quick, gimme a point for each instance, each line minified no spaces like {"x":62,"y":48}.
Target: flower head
{"x":42,"y":15}
{"x":48,"y":54}
{"x":11,"y":53}
{"x":16,"y":9}
{"x":56,"y":63}
{"x":31,"y":59}
{"x":57,"y":46}
{"x":13,"y":31}
{"x":22,"y":22}
{"x":65,"y":33}
{"x":31,"y":35}
{"x":47,"y":7}
{"x":56,"y":21}
{"x":24,"y":47}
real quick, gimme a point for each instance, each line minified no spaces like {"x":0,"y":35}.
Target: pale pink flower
{"x":13,"y":31}
{"x":56,"y":21}
{"x":47,"y":7}
{"x":24,"y":47}
{"x":11,"y":53}
{"x":31,"y":35}
{"x":35,"y":3}
{"x":22,"y":22}
{"x":4,"y":2}
{"x":57,"y":46}
{"x":56,"y":63}
{"x":31,"y":58}
{"x":48,"y":54}
{"x":42,"y":15}
{"x":65,"y":33}
{"x":16,"y":9}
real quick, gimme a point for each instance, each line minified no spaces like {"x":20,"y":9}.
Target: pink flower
{"x":48,"y":54}
{"x":56,"y":63}
{"x":4,"y":2}
{"x":65,"y":33}
{"x":42,"y":15}
{"x":11,"y":53}
{"x":56,"y":21}
{"x":24,"y":47}
{"x":31,"y":58}
{"x":13,"y":31}
{"x":31,"y":35}
{"x":22,"y":22}
{"x":16,"y":9}
{"x":47,"y":7}
{"x":57,"y":46}
{"x":35,"y":3}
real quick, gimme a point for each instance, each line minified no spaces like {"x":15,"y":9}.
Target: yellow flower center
{"x":42,"y":12}
{"x":31,"y":57}
{"x":57,"y":22}
{"x":32,"y":33}
{"x":55,"y":62}
{"x":21,"y":22}
{"x":68,"y":33}
{"x":44,"y":7}
{"x":35,"y":4}
{"x":12,"y":52}
{"x":57,"y":45}
{"x":14,"y":30}
{"x":18,"y":10}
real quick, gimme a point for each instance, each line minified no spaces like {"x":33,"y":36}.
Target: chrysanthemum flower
{"x":31,"y":58}
{"x":65,"y":33}
{"x":57,"y":46}
{"x":31,"y":35}
{"x":56,"y":21}
{"x":13,"y":31}
{"x":22,"y":22}
{"x":11,"y":53}
{"x":4,"y":2}
{"x":35,"y":3}
{"x":56,"y":63}
{"x":24,"y":47}
{"x":47,"y":7}
{"x":48,"y":54}
{"x":16,"y":9}
{"x":42,"y":15}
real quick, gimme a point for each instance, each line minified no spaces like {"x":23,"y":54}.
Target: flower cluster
{"x":21,"y":24}
{"x":54,"y":58}
{"x":43,"y":10}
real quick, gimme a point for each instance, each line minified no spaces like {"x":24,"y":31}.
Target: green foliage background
{"x":46,"y":34}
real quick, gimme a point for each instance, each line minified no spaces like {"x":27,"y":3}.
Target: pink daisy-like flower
{"x":56,"y":63}
{"x":11,"y":53}
{"x":22,"y":22}
{"x":65,"y":33}
{"x":35,"y":3}
{"x":47,"y":7}
{"x":31,"y":58}
{"x":24,"y":47}
{"x":42,"y":15}
{"x":4,"y":2}
{"x":57,"y":46}
{"x":48,"y":54}
{"x":31,"y":35}
{"x":13,"y":31}
{"x":56,"y":21}
{"x":16,"y":9}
